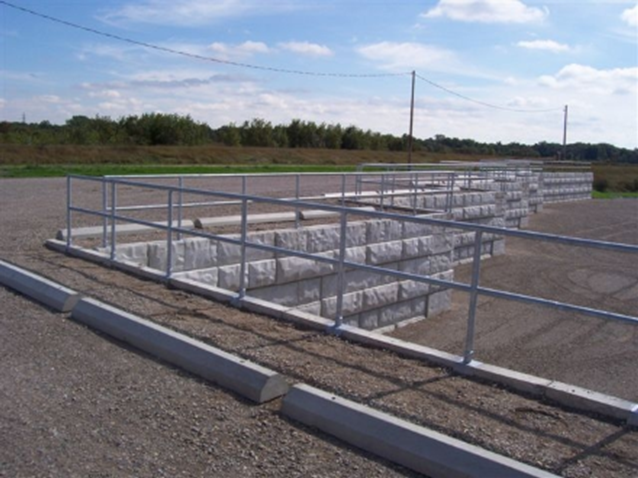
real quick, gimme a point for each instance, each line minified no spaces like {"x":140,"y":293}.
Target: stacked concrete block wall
{"x":478,"y":207}
{"x":370,"y":300}
{"x":567,"y":186}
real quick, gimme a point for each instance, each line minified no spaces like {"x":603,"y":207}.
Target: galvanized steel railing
{"x":110,"y":215}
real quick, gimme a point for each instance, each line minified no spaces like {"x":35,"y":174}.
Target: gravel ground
{"x":75,"y":403}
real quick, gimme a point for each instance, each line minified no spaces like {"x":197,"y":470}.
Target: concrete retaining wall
{"x":371,"y":300}
{"x":560,"y":187}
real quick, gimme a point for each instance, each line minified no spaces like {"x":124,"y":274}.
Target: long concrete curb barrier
{"x":410,"y":445}
{"x":320,"y":213}
{"x":241,"y":376}
{"x":97,"y":231}
{"x":252,"y":219}
{"x":38,"y":288}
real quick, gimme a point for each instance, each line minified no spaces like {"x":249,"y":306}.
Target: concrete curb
{"x":399,"y":441}
{"x":38,"y":288}
{"x":321,"y":213}
{"x":97,"y":231}
{"x":252,"y":219}
{"x":241,"y":376}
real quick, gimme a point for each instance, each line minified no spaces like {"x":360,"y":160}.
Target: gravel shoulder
{"x":75,"y":403}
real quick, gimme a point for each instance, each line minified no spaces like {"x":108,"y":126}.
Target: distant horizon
{"x":491,"y":70}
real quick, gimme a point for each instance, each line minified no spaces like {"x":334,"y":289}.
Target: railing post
{"x":105,"y":209}
{"x":244,"y":233}
{"x":297,"y":191}
{"x":68,"y":213}
{"x":169,"y":237}
{"x":394,"y":189}
{"x":382,"y":191}
{"x":113,"y":207}
{"x":341,"y":271}
{"x":471,"y":321}
{"x":343,"y":190}
{"x":179,"y":207}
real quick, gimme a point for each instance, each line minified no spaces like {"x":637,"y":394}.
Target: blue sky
{"x":514,"y":54}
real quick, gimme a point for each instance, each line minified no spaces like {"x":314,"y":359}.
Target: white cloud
{"x":487,"y":11}
{"x":191,"y":12}
{"x":618,"y":81}
{"x":177,"y":12}
{"x":247,"y":48}
{"x":630,"y":16}
{"x":306,"y":48}
{"x":3,"y":102}
{"x":402,"y":56}
{"x":547,"y":45}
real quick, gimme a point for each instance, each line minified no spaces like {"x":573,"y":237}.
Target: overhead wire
{"x":260,"y":67}
{"x":483,"y":103}
{"x":195,"y":55}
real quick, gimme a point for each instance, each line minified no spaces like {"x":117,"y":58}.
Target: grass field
{"x":19,"y":161}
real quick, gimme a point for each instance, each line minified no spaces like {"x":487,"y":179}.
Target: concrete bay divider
{"x":410,"y":445}
{"x":38,"y":288}
{"x":250,"y":380}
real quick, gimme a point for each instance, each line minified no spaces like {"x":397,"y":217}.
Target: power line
{"x":483,"y":103}
{"x":258,"y":67}
{"x":194,"y":55}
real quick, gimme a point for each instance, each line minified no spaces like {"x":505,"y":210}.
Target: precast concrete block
{"x":309,"y":290}
{"x":250,"y":380}
{"x":297,"y":268}
{"x":392,"y":314}
{"x":411,"y":248}
{"x":435,"y":244}
{"x":228,"y":253}
{"x":383,"y":230}
{"x":266,"y":238}
{"x":376,"y":297}
{"x":356,"y":234}
{"x":199,"y":253}
{"x":136,"y":253}
{"x":228,"y":277}
{"x":384,"y":252}
{"x":369,"y":320}
{"x":356,"y":254}
{"x":322,"y":238}
{"x":351,"y":305}
{"x":262,"y":273}
{"x":410,"y":289}
{"x":290,"y":239}
{"x":44,"y":291}
{"x":158,"y":257}
{"x":415,"y":230}
{"x":206,"y":276}
{"x":286,"y":294}
{"x":439,"y":302}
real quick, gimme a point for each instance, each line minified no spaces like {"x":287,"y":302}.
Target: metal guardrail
{"x":110,"y":216}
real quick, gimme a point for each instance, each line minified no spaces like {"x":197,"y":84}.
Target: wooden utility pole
{"x":565,"y":135}
{"x":411,"y":120}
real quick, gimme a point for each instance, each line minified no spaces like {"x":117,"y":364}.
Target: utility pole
{"x":565,"y":135}
{"x":411,"y":120}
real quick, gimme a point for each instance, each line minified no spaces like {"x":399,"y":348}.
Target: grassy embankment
{"x":17,"y":161}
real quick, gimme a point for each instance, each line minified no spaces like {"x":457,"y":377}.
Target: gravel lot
{"x":75,"y":403}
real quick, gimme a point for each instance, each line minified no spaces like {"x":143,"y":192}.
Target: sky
{"x":489,"y":70}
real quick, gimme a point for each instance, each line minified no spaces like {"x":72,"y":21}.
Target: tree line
{"x":176,"y":130}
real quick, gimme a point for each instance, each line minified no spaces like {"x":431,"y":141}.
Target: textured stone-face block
{"x":136,"y":253}
{"x":385,"y":252}
{"x":296,"y":268}
{"x":309,"y":290}
{"x":286,"y":294}
{"x":439,"y":302}
{"x":262,"y":273}
{"x":376,"y":297}
{"x":199,"y":253}
{"x":321,"y":239}
{"x":351,"y":305}
{"x":158,"y":257}
{"x":229,"y":277}
{"x":205,"y":276}
{"x":383,"y":231}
